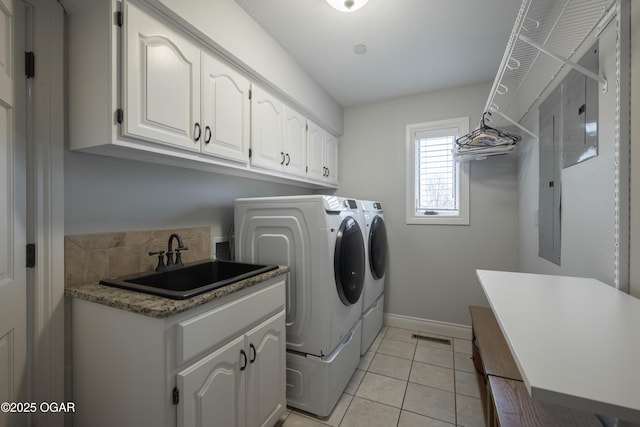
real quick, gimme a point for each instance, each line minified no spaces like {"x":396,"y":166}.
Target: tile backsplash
{"x":89,"y":258}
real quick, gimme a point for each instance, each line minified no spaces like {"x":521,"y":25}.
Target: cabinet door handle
{"x":197,"y":132}
{"x":255,"y":353}
{"x":244,"y":356}
{"x":328,"y":172}
{"x":288,"y":160}
{"x":207,"y":135}
{"x":282,"y":161}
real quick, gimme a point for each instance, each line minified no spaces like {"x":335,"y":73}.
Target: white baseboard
{"x":430,"y":326}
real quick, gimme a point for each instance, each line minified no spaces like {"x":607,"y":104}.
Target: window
{"x":437,"y":185}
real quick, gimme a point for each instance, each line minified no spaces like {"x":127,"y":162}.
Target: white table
{"x":576,"y":341}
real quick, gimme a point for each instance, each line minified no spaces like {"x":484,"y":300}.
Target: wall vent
{"x":432,"y":339}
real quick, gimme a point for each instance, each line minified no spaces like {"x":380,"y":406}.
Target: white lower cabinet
{"x":266,"y":373}
{"x":213,"y":390}
{"x":240,"y":384}
{"x":219,"y":364}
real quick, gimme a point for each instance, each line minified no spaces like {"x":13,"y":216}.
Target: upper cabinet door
{"x":322,"y":155}
{"x":267,"y":119}
{"x":316,"y":140}
{"x":295,"y":143}
{"x":226,"y":111}
{"x":331,"y":159}
{"x":162,"y":83}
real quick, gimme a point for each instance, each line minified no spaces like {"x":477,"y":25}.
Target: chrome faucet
{"x":181,"y":247}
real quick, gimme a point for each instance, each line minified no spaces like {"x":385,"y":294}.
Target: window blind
{"x":436,"y":175}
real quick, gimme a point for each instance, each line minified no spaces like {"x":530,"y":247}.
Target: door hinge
{"x":29,"y":64}
{"x":250,"y":152}
{"x":250,"y":94}
{"x":119,"y":19}
{"x":119,"y":115}
{"x":176,"y":396}
{"x":31,"y":255}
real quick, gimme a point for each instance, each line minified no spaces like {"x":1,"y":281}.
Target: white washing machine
{"x":321,"y":239}
{"x":376,"y":248}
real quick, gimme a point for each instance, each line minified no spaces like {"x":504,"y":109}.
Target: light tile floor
{"x":405,"y":382}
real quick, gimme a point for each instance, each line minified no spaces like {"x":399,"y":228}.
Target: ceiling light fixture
{"x":347,"y":5}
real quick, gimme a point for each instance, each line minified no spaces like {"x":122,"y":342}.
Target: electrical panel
{"x":549,"y":201}
{"x":580,"y":112}
{"x":567,"y":135}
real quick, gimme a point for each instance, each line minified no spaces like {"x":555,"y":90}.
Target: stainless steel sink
{"x":191,"y":279}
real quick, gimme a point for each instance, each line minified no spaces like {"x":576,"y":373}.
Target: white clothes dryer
{"x":376,"y":248}
{"x":321,"y":239}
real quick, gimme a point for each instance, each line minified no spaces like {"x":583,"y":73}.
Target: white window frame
{"x":461,"y":124}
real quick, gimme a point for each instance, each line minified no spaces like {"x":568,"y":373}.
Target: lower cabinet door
{"x":266,"y":374}
{"x":213,"y":390}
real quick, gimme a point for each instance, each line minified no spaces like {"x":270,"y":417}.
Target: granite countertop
{"x":156,"y":306}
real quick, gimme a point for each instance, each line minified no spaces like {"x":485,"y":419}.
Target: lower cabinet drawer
{"x":214,"y":327}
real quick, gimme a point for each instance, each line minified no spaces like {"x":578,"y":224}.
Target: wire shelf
{"x":566,"y":28}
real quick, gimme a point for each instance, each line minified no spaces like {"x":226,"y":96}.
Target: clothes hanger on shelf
{"x":486,"y":136}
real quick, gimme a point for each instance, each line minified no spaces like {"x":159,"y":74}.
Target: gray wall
{"x":587,"y":236}
{"x":104,"y":194}
{"x":431,"y":271}
{"x":634,"y":273}
{"x":432,"y":268}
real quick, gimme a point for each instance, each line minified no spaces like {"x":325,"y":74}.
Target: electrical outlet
{"x":221,"y":248}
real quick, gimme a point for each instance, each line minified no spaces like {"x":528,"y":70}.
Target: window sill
{"x":437,"y":220}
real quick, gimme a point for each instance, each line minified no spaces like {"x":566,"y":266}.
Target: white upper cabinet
{"x":331,"y":158}
{"x":164,"y":88}
{"x":162,"y":83}
{"x":144,"y":88}
{"x":316,"y":138}
{"x":295,"y":142}
{"x":226,"y":111}
{"x":322,"y":155}
{"x":267,"y":130}
{"x":278,"y":135}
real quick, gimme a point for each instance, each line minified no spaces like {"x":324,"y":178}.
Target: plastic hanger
{"x":486,"y":136}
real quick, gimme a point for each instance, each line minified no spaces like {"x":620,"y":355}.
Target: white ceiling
{"x":413,"y":46}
